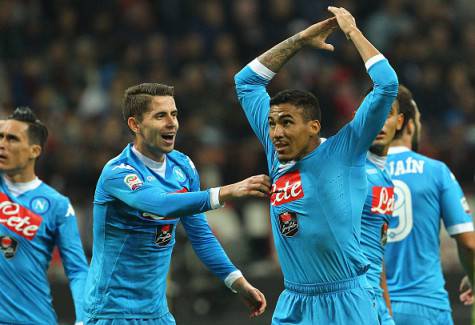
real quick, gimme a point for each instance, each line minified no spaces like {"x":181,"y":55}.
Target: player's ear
{"x":35,"y":151}
{"x":315,"y":127}
{"x":133,"y":124}
{"x":400,"y":121}
{"x":410,"y":127}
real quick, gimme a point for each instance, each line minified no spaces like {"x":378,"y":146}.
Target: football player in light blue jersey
{"x":318,"y":187}
{"x":140,"y":198}
{"x":34,"y":218}
{"x":379,"y":204}
{"x":426,"y":192}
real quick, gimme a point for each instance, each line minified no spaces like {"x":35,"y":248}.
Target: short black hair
{"x":37,"y":131}
{"x":407,"y":108}
{"x":137,"y":98}
{"x":301,"y":99}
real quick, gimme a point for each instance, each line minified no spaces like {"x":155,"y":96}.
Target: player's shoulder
{"x":49,"y":191}
{"x":181,"y":159}
{"x":431,"y":163}
{"x":45,"y":196}
{"x":123,"y":162}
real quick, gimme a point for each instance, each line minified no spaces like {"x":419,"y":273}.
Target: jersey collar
{"x":397,"y":149}
{"x":379,"y":161}
{"x":17,"y":189}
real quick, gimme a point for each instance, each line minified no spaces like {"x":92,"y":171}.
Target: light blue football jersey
{"x":377,"y":213}
{"x":426,"y":192}
{"x":317,"y":202}
{"x":136,"y":212}
{"x":31,"y":225}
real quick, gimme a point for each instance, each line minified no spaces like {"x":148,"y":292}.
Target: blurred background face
{"x":392,"y":124}
{"x":157,"y":131}
{"x":292,"y":136}
{"x":16,"y":152}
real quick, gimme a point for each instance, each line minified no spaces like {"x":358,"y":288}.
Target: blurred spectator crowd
{"x":71,"y":61}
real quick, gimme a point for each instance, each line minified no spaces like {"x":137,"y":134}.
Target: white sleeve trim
{"x":460,"y":228}
{"x":261,"y":69}
{"x":214,"y":198}
{"x":233,"y":276}
{"x":372,"y":60}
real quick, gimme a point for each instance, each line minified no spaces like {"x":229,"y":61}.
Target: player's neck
{"x":21,"y":176}
{"x":151,"y":154}
{"x":401,"y":142}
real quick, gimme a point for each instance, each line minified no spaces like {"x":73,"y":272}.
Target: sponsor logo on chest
{"x":383,"y":200}
{"x":18,"y":219}
{"x":287,"y":188}
{"x":164,"y":234}
{"x":288,"y":224}
{"x":8,"y":245}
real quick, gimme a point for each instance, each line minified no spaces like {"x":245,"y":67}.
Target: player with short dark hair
{"x":34,"y":218}
{"x":141,"y":197}
{"x":319,"y":187}
{"x":426,"y":193}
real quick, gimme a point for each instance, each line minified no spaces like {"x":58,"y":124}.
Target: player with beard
{"x":34,"y":218}
{"x":426,"y":193}
{"x":141,"y":196}
{"x":319,"y":188}
{"x":378,"y":207}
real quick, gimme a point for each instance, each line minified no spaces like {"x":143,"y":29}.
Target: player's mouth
{"x":3,"y":157}
{"x":280,"y":146}
{"x":169,"y":138}
{"x":381,"y":135}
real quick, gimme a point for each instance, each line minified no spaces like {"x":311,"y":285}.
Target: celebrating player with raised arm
{"x":140,"y":198}
{"x":426,"y":192}
{"x":33,"y":219}
{"x":319,"y":188}
{"x":379,"y":204}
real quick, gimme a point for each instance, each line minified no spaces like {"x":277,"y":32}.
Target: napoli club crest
{"x":288,"y":224}
{"x":8,"y":246}
{"x":164,"y":235}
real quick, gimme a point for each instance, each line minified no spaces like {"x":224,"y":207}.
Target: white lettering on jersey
{"x":408,"y":166}
{"x":402,"y":212}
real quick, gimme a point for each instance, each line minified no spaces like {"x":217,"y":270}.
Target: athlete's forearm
{"x":364,"y":47}
{"x":466,"y":256}
{"x":277,"y":56}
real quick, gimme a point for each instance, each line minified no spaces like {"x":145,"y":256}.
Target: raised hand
{"x":254,"y":186}
{"x":252,"y":297}
{"x":344,"y":19}
{"x":317,"y":34}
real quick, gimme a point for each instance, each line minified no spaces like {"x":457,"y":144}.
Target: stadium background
{"x":71,"y":61}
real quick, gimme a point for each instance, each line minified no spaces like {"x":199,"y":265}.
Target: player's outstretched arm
{"x":252,"y":297}
{"x":348,"y":26}
{"x":373,"y":111}
{"x":254,"y":186}
{"x":141,"y":195}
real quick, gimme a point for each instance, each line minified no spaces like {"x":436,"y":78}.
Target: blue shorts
{"x":383,"y":312}
{"x":408,"y":313}
{"x":166,"y":319}
{"x":337,"y":303}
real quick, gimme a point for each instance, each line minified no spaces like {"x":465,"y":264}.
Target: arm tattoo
{"x":277,"y":56}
